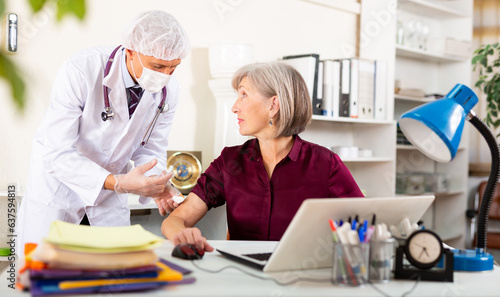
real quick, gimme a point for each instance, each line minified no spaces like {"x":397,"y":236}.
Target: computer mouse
{"x":188,"y":251}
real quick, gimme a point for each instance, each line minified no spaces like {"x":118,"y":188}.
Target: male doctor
{"x":80,"y":163}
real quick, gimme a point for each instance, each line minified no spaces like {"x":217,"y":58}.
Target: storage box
{"x":410,"y":183}
{"x":437,"y":182}
{"x":422,"y":182}
{"x":451,"y":46}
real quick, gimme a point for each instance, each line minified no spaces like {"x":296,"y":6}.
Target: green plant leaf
{"x":475,"y":59}
{"x":484,"y":61}
{"x":37,"y":5}
{"x":66,"y":7}
{"x":9,"y":71}
{"x":2,"y":6}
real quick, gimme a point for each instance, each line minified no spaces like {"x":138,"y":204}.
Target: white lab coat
{"x":74,"y":150}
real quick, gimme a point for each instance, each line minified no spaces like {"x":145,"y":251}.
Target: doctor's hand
{"x":136,"y":182}
{"x":164,"y":201}
{"x":192,"y":236}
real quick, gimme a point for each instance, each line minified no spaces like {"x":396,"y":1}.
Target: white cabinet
{"x":375,"y":174}
{"x":421,"y":65}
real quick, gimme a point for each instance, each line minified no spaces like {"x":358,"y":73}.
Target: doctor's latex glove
{"x":136,"y":182}
{"x":169,"y":200}
{"x":192,"y":236}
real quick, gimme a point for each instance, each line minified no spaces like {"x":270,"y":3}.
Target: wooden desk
{"x":232,"y":282}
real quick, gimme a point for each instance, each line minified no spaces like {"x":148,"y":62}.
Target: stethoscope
{"x":108,"y":114}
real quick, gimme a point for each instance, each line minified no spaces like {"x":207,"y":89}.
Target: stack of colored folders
{"x":76,"y":259}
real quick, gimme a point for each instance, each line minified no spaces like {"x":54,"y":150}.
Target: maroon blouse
{"x":261,"y":209}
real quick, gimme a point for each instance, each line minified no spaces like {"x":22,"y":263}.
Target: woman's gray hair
{"x":285,"y":82}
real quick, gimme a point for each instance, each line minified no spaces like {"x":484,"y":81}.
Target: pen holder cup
{"x":381,"y":260}
{"x":350,"y":264}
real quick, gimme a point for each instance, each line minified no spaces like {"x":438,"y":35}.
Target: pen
{"x":334,"y":234}
{"x":354,"y":224}
{"x":362,"y":230}
{"x":359,"y":259}
{"x":348,"y":260}
{"x":336,"y":240}
{"x":369,"y":233}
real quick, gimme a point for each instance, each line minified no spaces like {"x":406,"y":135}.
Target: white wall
{"x":274,"y":27}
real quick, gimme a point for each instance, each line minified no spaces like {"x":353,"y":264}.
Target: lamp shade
{"x":436,"y":128}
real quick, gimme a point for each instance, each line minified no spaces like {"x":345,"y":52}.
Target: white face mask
{"x":150,"y":80}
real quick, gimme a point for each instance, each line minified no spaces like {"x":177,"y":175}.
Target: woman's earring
{"x":270,"y":122}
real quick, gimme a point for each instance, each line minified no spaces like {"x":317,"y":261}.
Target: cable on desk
{"x":413,"y":288}
{"x":387,"y":295}
{"x":261,"y":277}
{"x":297,"y":279}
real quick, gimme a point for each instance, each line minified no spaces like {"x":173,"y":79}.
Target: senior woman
{"x":264,"y":181}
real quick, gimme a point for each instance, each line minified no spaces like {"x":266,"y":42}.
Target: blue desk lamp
{"x":435,"y":129}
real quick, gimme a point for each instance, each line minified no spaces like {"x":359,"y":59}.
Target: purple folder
{"x":39,"y":289}
{"x":144,"y":271}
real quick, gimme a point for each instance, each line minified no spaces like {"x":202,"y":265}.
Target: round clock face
{"x":187,"y":170}
{"x":424,"y":249}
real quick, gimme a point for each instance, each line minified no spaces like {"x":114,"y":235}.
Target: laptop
{"x":307,"y":242}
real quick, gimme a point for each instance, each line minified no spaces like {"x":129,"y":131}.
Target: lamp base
{"x":472,"y":260}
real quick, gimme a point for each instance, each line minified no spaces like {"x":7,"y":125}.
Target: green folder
{"x":4,"y":252}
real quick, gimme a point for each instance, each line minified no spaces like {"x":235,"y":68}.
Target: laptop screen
{"x":307,"y":242}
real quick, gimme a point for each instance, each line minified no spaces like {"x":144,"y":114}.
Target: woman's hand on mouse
{"x":192,"y":236}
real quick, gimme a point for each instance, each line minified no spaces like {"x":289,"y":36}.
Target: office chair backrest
{"x":493,"y":236}
{"x":495,"y":202}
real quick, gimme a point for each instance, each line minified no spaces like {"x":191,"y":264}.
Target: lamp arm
{"x":482,"y":219}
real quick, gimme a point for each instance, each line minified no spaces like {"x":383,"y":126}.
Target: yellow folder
{"x":101,"y":239}
{"x":55,"y":257}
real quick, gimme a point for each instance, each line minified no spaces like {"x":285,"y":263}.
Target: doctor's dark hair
{"x":285,"y":82}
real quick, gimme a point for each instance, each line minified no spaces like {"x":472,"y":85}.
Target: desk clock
{"x":423,"y":257}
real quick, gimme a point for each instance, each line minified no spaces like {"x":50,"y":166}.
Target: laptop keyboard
{"x":259,"y":256}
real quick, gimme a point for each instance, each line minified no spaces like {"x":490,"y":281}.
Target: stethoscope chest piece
{"x":107,"y":115}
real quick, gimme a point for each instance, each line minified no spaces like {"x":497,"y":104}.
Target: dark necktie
{"x":134,"y":96}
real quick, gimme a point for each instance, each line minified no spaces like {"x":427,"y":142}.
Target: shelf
{"x":351,"y":120}
{"x":365,"y":160}
{"x":437,"y":195}
{"x":412,"y":99}
{"x":430,"y":9}
{"x":450,"y":193}
{"x":343,"y":5}
{"x":412,"y":53}
{"x":403,"y":147}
